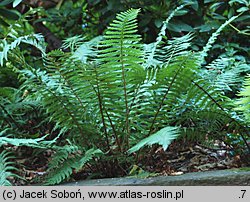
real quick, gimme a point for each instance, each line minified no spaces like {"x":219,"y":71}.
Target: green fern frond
{"x":225,"y":73}
{"x":82,"y":50}
{"x":73,"y":42}
{"x":243,"y":104}
{"x":166,"y":52}
{"x":172,"y":82}
{"x":213,"y":38}
{"x":161,"y":35}
{"x":204,"y":95}
{"x":34,"y":40}
{"x":121,"y":59}
{"x":35,"y":143}
{"x":14,"y":107}
{"x":163,"y":137}
{"x":62,"y":153}
{"x":61,"y":173}
{"x":58,"y":99}
{"x":14,"y":37}
{"x":6,"y":169}
{"x":65,"y":164}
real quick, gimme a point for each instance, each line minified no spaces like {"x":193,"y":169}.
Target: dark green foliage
{"x":8,"y":14}
{"x":66,"y":18}
{"x":200,"y":16}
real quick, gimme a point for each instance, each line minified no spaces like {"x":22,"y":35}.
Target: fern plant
{"x":97,"y":101}
{"x":126,"y":97}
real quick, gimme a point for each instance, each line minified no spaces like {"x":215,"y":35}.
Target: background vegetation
{"x":92,"y":88}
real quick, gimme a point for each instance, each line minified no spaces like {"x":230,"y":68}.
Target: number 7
{"x":244,"y":191}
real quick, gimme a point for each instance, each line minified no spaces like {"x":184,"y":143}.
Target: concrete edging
{"x":230,"y":177}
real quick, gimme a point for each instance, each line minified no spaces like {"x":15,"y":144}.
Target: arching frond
{"x":213,"y":38}
{"x":151,"y":49}
{"x":120,"y":71}
{"x":6,"y":169}
{"x":63,"y":165}
{"x":34,"y":40}
{"x":162,"y":137}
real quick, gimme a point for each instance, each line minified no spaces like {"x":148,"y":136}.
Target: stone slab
{"x":231,"y":177}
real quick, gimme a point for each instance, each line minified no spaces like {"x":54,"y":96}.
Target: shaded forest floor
{"x":178,"y":159}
